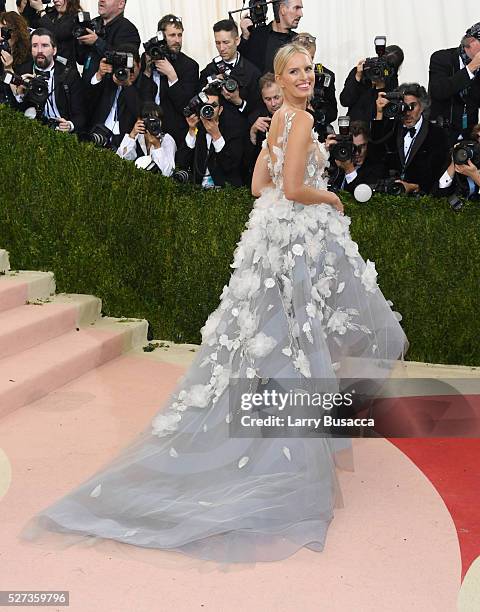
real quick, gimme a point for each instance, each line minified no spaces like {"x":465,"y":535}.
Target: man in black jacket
{"x":229,"y":64}
{"x":359,"y":94}
{"x":259,"y":122}
{"x":118,"y":31}
{"x":116,"y":102}
{"x":209,"y":152}
{"x":170,"y":84}
{"x":366,"y":165}
{"x":65,"y":101}
{"x":454,"y":85}
{"x":416,"y":150}
{"x":260,"y":44}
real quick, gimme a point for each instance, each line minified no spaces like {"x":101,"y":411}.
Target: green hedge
{"x":151,"y":248}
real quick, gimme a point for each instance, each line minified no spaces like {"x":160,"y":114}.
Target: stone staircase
{"x":48,"y":340}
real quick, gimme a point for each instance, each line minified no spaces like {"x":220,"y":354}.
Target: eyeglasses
{"x":305,"y":40}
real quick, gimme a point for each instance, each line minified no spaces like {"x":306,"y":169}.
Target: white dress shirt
{"x":217,"y":145}
{"x":164,"y":157}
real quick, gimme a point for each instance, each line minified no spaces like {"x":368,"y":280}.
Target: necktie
{"x":410,"y":131}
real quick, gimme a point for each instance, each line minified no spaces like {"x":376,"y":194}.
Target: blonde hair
{"x":285,"y":53}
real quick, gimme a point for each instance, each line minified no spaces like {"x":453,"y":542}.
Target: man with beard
{"x":260,"y":44}
{"x":65,"y":101}
{"x":170,"y":84}
{"x":118,"y":31}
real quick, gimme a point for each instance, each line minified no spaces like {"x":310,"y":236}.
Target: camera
{"x":83,"y":22}
{"x":99,"y":135}
{"x":122,"y":64}
{"x":6,"y":34}
{"x":343,"y":149}
{"x":157,"y":49}
{"x":389,"y":187}
{"x":258,"y":12}
{"x":318,"y":103}
{"x":396,"y":108}
{"x":153,"y":125}
{"x":49,"y":122}
{"x":378,"y":68}
{"x":200,"y":106}
{"x":182,"y":176}
{"x":36,"y":92}
{"x":467,"y":150}
{"x":229,"y":84}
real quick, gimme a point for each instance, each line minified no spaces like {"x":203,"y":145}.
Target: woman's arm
{"x":261,"y":175}
{"x":298,"y":145}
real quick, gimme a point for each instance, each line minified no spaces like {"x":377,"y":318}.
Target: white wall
{"x":345,"y":29}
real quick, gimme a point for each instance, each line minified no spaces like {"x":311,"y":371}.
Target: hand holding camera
{"x":192,"y":121}
{"x":246,"y":25}
{"x":359,"y":72}
{"x":7,"y":60}
{"x":381,"y":103}
{"x":104,"y":69}
{"x":138,"y":128}
{"x":165,"y":67}
{"x":211,"y":127}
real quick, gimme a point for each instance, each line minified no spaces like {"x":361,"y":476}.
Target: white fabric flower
{"x":287,"y":351}
{"x":238,"y":257}
{"x":198,"y":396}
{"x":323,"y":287}
{"x":311,"y":308}
{"x":247,"y":324}
{"x":298,"y":250}
{"x":223,"y":340}
{"x":250,"y":373}
{"x":307,"y":329}
{"x":302,"y":364}
{"x":269,"y":283}
{"x":341,"y":287}
{"x":369,"y":277}
{"x":96,"y":491}
{"x":210,"y":327}
{"x":335,"y":226}
{"x":243,"y":462}
{"x":245,"y":284}
{"x":351,"y":249}
{"x":337,"y":322}
{"x":274,"y":256}
{"x":164,"y":423}
{"x":260,"y":345}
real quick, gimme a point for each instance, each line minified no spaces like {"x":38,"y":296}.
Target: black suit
{"x":175,"y":98}
{"x":446,"y":83}
{"x":224,"y":166}
{"x":262,"y":45}
{"x":428,"y":158}
{"x":360,"y":97}
{"x":119,"y":31}
{"x":247,"y":75}
{"x":68,"y":91}
{"x":129,"y":106}
{"x":251,"y":151}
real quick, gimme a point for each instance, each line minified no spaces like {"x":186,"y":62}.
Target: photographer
{"x":413,"y":148}
{"x":209,"y":152}
{"x":323,"y":104}
{"x":259,"y":121}
{"x":364,"y":166}
{"x":147,"y":143}
{"x":60,"y":20}
{"x":462,"y":176}
{"x":61,"y":95}
{"x":231,"y":67}
{"x":259,"y":44}
{"x":13,"y":34}
{"x":359,"y":92}
{"x":117,"y":30}
{"x":114,"y":93}
{"x":454,"y":85}
{"x":172,"y":80}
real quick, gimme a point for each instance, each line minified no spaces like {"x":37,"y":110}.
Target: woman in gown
{"x":301,"y":305}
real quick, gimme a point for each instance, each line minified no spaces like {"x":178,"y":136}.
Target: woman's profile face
{"x":298,"y":77}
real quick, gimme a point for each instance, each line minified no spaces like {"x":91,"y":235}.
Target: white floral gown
{"x":301,"y":304}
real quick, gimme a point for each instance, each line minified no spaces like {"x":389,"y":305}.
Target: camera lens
{"x":122,"y":74}
{"x":207,"y":111}
{"x":230,"y":85}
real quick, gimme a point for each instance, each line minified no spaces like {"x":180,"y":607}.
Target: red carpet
{"x":453,"y":467}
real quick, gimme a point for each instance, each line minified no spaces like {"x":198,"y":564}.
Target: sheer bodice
{"x":317,"y":159}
